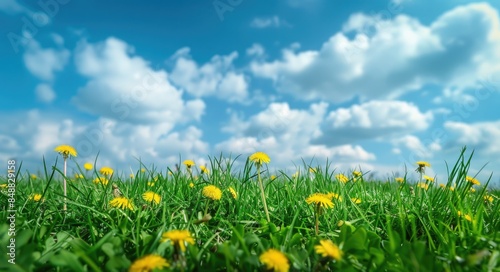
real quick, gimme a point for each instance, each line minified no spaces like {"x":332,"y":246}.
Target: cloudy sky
{"x":370,"y":85}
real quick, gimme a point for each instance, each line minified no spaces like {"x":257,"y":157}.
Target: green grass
{"x":396,"y":227}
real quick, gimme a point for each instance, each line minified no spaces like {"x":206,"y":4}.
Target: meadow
{"x":213,"y":218}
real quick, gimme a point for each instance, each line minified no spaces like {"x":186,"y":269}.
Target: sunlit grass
{"x":215,"y":218}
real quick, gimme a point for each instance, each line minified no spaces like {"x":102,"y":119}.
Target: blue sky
{"x":370,"y":85}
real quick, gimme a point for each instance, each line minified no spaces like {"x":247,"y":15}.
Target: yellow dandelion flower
{"x":320,"y":200}
{"x":429,"y":179}
{"x":466,"y":216}
{"x":233,"y":192}
{"x":328,"y":249}
{"x":356,"y":174}
{"x":259,"y":158}
{"x":122,"y":203}
{"x":189,"y":163}
{"x":342,"y":178}
{"x":88,"y":166}
{"x":423,"y":185}
{"x":313,"y":170}
{"x":472,"y":180}
{"x":275,"y":260}
{"x":33,"y":176}
{"x":442,"y":186}
{"x":107,"y":171}
{"x":78,"y":176}
{"x":423,"y":164}
{"x":151,"y":197}
{"x":132,"y":176}
{"x":472,"y":190}
{"x":36,"y":197}
{"x":204,"y":169}
{"x":273,"y":177}
{"x":452,"y":188}
{"x":3,"y":186}
{"x":191,"y":185}
{"x":295,"y":175}
{"x":149,"y":263}
{"x":151,"y":183}
{"x":356,"y":200}
{"x":488,"y":198}
{"x":104,"y":181}
{"x":332,"y":195}
{"x":399,"y":179}
{"x":178,"y":238}
{"x":143,"y":170}
{"x":66,"y":150}
{"x":212,"y":192}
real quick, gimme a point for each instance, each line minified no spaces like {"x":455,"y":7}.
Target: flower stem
{"x":64,"y":184}
{"x":263,"y":194}
{"x":316,"y":215}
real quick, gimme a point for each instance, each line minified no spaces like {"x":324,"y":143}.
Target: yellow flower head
{"x":178,"y":238}
{"x":356,"y":174}
{"x":233,"y":192}
{"x":329,"y":250}
{"x":3,"y":185}
{"x":88,"y":166}
{"x":104,"y":181}
{"x":78,"y":176}
{"x":132,"y":176}
{"x":275,"y":260}
{"x":151,"y":183}
{"x":488,"y":198}
{"x":472,"y":180}
{"x":33,"y":176}
{"x":427,"y":178}
{"x":107,"y":171}
{"x":151,"y":197}
{"x":212,"y":192}
{"x":466,"y":216}
{"x":320,"y":200}
{"x":400,"y":180}
{"x":66,"y":151}
{"x":191,"y":185}
{"x":423,"y":185}
{"x":313,"y":170}
{"x":273,"y":177}
{"x":36,"y":197}
{"x":259,"y":158}
{"x":342,"y":178}
{"x":472,"y":190}
{"x":295,"y":175}
{"x":421,"y":166}
{"x":143,"y":170}
{"x":149,"y":263}
{"x":189,"y":163}
{"x":122,"y":203}
{"x":356,"y":200}
{"x":204,"y":169}
{"x":332,"y":195}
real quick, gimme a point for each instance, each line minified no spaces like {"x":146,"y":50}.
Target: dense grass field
{"x":217,"y":219}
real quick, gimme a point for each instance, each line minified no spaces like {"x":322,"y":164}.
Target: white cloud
{"x":387,"y":58}
{"x":373,"y":120}
{"x":124,"y":87}
{"x":13,"y":7}
{"x":414,"y":145}
{"x":285,"y":134}
{"x":269,"y":22}
{"x":256,"y":50}
{"x":44,"y":62}
{"x":214,"y":78}
{"x":45,"y":93}
{"x":484,"y":137}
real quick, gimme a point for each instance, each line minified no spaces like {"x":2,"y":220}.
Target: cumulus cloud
{"x":124,"y":87}
{"x":217,"y":77}
{"x":372,"y":120}
{"x":374,"y":58}
{"x":45,"y":93}
{"x":286,"y":134}
{"x":44,"y":62}
{"x":269,"y":22}
{"x":484,"y":137}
